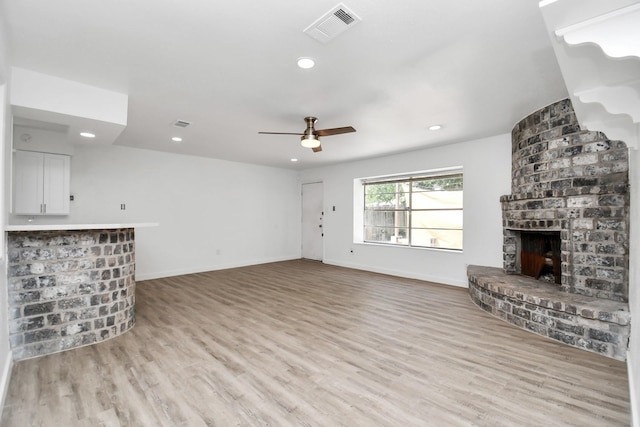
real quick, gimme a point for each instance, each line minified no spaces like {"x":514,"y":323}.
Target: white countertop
{"x":53,"y":227}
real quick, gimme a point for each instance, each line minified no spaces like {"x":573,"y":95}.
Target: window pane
{"x":387,"y":201}
{"x":386,"y":235}
{"x":437,"y":219}
{"x":436,"y":200}
{"x":446,"y":183}
{"x":386,"y":196}
{"x":445,"y":239}
{"x":377,"y":218}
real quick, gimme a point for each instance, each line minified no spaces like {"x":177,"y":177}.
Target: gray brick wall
{"x":575,"y":182}
{"x":69,"y":288}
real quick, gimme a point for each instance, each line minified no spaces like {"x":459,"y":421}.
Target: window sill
{"x":391,"y":245}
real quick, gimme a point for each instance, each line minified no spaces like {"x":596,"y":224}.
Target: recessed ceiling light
{"x":294,"y":160}
{"x":435,"y":127}
{"x":306,"y":63}
{"x":87,"y":135}
{"x":176,"y":139}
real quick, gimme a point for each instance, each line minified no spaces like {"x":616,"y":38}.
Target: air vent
{"x":333,"y":23}
{"x":344,"y":16}
{"x":181,"y":124}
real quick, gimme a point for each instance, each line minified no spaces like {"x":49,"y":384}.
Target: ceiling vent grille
{"x":332,"y":23}
{"x":181,"y":123}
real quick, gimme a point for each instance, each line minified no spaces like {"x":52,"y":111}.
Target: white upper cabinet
{"x":41,"y":183}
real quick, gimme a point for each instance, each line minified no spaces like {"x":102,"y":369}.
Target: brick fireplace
{"x":576,"y":183}
{"x":568,"y":211}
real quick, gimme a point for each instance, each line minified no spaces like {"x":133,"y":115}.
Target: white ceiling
{"x":474,"y":67}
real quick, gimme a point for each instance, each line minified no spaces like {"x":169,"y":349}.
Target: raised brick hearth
{"x":574,"y":183}
{"x":594,"y":324}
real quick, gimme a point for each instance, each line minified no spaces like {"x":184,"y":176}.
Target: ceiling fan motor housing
{"x":311,"y":121}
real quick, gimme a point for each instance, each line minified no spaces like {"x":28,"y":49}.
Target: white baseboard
{"x":4,"y":380}
{"x":213,"y":267}
{"x":634,"y":399}
{"x":426,"y":277}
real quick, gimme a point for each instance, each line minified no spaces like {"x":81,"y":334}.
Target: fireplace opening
{"x":540,"y":255}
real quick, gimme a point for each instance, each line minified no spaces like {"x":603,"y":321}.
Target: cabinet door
{"x":56,"y":184}
{"x":28,"y":179}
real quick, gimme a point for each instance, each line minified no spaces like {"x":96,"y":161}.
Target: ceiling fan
{"x":311,"y":136}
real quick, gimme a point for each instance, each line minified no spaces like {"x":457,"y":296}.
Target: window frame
{"x":409,"y":210}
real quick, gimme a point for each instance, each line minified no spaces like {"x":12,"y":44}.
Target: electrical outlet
{"x":123,"y":206}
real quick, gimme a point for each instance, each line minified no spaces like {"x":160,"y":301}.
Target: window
{"x":422,"y":211}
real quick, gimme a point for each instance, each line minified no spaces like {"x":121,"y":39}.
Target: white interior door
{"x":312,"y":231}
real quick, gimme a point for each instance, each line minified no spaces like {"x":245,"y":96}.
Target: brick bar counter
{"x":69,"y":286}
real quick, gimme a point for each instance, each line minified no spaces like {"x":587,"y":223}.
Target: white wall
{"x":633,"y":360}
{"x":487,"y":176}
{"x":213,"y":214}
{"x":5,"y":132}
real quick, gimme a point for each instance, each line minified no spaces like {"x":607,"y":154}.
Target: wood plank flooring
{"x":300,"y":343}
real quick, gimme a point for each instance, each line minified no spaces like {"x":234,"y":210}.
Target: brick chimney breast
{"x":574,"y":182}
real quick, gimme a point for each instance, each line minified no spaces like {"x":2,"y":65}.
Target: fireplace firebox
{"x":540,"y":255}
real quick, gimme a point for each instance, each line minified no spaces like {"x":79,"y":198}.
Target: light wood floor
{"x":300,"y":343}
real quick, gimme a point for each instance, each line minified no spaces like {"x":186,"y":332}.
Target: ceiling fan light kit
{"x":309,"y":141}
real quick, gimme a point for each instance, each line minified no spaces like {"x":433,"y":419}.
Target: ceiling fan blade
{"x":316,"y":149}
{"x":334,"y":131}
{"x":280,"y":133}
